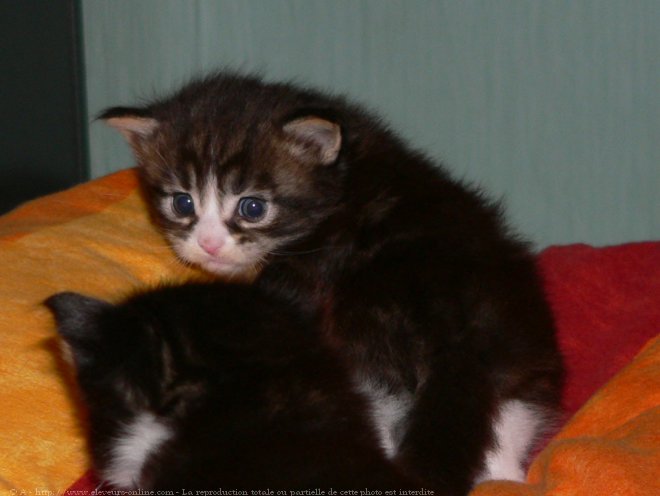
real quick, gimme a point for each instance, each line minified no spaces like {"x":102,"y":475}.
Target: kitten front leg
{"x":492,"y":388}
{"x":449,"y":429}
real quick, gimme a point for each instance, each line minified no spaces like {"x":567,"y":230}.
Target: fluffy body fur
{"x":209,"y":386}
{"x":437,"y":308}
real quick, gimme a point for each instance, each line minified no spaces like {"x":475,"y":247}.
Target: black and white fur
{"x":205,"y":386}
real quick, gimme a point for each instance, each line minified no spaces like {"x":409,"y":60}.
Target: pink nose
{"x":211,"y":245}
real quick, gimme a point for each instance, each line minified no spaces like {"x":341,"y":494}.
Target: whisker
{"x":290,"y":253}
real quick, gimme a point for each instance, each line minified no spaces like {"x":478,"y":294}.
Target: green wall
{"x":552,"y":105}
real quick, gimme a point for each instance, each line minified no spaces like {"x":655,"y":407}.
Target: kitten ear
{"x":75,"y":315}
{"x":130,"y":122}
{"x":314,"y":138}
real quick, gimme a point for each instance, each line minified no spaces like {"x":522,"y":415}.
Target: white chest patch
{"x":144,"y":435}
{"x":388,"y":413}
{"x":515,"y":428}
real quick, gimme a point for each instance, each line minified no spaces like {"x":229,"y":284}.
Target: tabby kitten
{"x":205,"y":386}
{"x":436,"y":306}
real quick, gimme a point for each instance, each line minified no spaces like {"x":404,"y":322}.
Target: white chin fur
{"x":223,"y":269}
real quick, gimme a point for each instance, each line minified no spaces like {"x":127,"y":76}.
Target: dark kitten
{"x":209,"y":386}
{"x":438,"y":309}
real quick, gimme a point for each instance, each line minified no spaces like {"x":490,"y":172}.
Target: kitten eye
{"x":252,"y":209}
{"x":183,"y":204}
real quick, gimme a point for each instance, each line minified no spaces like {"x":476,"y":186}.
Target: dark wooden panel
{"x":42,"y":136}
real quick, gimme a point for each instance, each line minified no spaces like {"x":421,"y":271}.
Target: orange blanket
{"x":97,"y":239}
